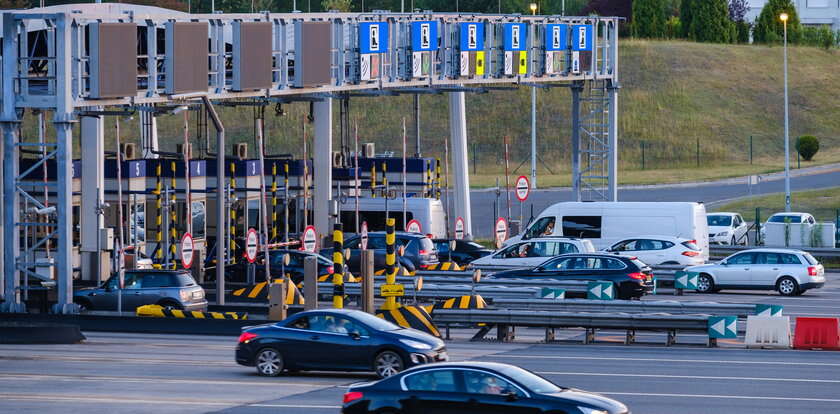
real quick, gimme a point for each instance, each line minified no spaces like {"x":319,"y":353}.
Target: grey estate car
{"x":173,"y":288}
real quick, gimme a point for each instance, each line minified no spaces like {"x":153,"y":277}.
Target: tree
{"x":648,"y":18}
{"x":619,"y":8}
{"x":807,"y":146}
{"x":738,"y":10}
{"x":770,"y":29}
{"x":708,"y":21}
{"x":14,"y":4}
{"x":339,"y":5}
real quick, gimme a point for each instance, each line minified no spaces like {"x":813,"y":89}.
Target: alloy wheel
{"x":387,"y":364}
{"x":269,"y":363}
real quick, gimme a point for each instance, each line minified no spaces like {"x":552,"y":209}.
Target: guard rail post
{"x":367,"y":281}
{"x":310,"y":283}
{"x":277,"y":301}
{"x":338,"y":266}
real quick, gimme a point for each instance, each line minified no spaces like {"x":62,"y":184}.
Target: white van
{"x":605,"y":223}
{"x":428,"y":211}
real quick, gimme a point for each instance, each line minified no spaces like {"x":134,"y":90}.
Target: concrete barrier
{"x":768,"y":332}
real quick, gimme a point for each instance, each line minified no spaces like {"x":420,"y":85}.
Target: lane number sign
{"x":413,"y":226}
{"x":523,"y":188}
{"x":309,"y":238}
{"x":187,"y":249}
{"x":251,"y":243}
{"x":459,"y":228}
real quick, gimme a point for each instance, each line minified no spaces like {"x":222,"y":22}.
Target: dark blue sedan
{"x":336,"y":340}
{"x":472,"y":387}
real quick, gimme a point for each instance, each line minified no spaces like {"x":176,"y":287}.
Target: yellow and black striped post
{"x":390,"y":262}
{"x":232,"y":214}
{"x":385,"y":179}
{"x":437,"y":179}
{"x":159,"y":222}
{"x":173,"y":216}
{"x":274,"y":201}
{"x":373,"y":180}
{"x":286,"y":201}
{"x":338,"y":266}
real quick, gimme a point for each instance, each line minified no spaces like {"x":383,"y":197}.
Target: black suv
{"x":632,"y":278}
{"x":420,"y":252}
{"x":238,"y":273}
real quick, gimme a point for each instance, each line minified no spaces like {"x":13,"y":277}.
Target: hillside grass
{"x":674,"y":94}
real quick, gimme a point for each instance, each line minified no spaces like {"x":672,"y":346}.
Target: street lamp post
{"x":533,"y":123}
{"x":784,"y":18}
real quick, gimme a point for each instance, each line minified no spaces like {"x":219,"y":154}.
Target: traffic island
{"x":39,"y":333}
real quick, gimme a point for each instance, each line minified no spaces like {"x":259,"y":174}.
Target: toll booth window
{"x":541,"y":227}
{"x":585,"y":227}
{"x":199,"y":218}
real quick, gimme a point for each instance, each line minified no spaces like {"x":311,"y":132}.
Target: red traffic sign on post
{"x":501,"y":230}
{"x":459,"y":228}
{"x":523,"y":188}
{"x":309,"y":239}
{"x":251,"y":244}
{"x":413,"y":226}
{"x":187,"y":250}
{"x":364,"y":236}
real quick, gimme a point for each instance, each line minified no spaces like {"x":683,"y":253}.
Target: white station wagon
{"x":790,"y":272}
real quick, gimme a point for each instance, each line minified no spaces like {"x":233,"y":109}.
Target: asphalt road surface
{"x":134,"y":373}
{"x":484,"y":213}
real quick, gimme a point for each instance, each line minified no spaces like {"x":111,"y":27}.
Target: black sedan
{"x":473,"y":387}
{"x":238,"y":273}
{"x":336,"y":340}
{"x":465,"y":251}
{"x":632,"y":278}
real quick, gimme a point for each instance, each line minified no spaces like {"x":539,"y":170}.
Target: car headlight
{"x":416,"y":344}
{"x":722,"y":234}
{"x":587,"y":410}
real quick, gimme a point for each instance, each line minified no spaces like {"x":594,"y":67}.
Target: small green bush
{"x":807,"y":146}
{"x":673,"y":28}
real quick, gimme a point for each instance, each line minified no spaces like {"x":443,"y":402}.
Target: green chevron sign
{"x":685,"y":280}
{"x":549,"y":293}
{"x":768,"y":310}
{"x":600,"y":291}
{"x":723,"y":327}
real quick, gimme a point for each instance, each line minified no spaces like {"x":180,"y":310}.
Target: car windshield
{"x":374,"y":322}
{"x":474,"y":245}
{"x":721,"y":221}
{"x":785,"y":218}
{"x":530,"y":380}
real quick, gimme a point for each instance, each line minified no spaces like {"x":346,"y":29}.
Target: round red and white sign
{"x":251,"y":244}
{"x":187,"y":250}
{"x":309,"y":239}
{"x":413,"y":226}
{"x":459,"y":228}
{"x":523,"y":188}
{"x":364,"y":236}
{"x":501,"y":230}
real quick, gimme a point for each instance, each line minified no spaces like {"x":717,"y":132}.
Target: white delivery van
{"x":605,"y":223}
{"x":428,"y":211}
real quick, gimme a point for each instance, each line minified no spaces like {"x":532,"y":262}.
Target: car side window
{"x":442,"y":248}
{"x":625,"y":246}
{"x":155,"y":280}
{"x":440,"y":380}
{"x":541,"y":227}
{"x":790,"y":259}
{"x":509,"y":252}
{"x":477,"y":382}
{"x":767,"y":258}
{"x":334,"y":324}
{"x":376,"y":242}
{"x":132,"y":281}
{"x":743,"y":258}
{"x":611,"y":264}
{"x":301,"y":323}
{"x":561,"y":264}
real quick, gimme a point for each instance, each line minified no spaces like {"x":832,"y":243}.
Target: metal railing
{"x":628,"y":306}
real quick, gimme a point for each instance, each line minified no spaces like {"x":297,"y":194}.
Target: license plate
{"x":197,"y":295}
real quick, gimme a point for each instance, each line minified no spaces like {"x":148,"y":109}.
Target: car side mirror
{"x":723,"y":262}
{"x":511,"y":396}
{"x":354,"y":335}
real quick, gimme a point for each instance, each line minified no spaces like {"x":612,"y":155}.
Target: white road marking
{"x":331,"y":407}
{"x":600,"y":374}
{"x":722,"y":361}
{"x":97,"y":378}
{"x":128,"y":401}
{"x":734,"y":397}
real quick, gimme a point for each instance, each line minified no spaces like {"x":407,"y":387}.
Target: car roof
{"x":397,"y":233}
{"x":793,"y":213}
{"x":497,"y":366}
{"x":551,"y":238}
{"x":722,"y":213}
{"x":595,"y":254}
{"x":158,"y":271}
{"x":655,"y":236}
{"x":772,"y":250}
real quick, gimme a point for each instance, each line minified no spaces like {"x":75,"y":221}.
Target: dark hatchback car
{"x":632,"y":278}
{"x":420,"y":252}
{"x":239,"y":272}
{"x":473,"y":387}
{"x":170,"y":288}
{"x":465,"y":251}
{"x":336,"y":340}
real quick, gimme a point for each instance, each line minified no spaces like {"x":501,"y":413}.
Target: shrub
{"x":648,"y":19}
{"x":768,"y":27}
{"x":673,"y":28}
{"x":807,"y":146}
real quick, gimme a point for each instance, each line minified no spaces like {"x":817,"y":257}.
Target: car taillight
{"x":246,"y":337}
{"x":330,"y":270}
{"x":812,"y":271}
{"x":637,"y":275}
{"x":352,"y":396}
{"x":423,"y":266}
{"x":691,"y":253}
{"x":423,"y":252}
{"x":692,"y":241}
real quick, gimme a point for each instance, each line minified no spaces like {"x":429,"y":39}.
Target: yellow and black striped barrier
{"x":400,"y":272}
{"x":348,"y":278}
{"x":445,"y":266}
{"x":414,"y":317}
{"x":338,"y":266}
{"x":157,"y":311}
{"x":391,"y":263}
{"x":463,"y":302}
{"x":232,"y":214}
{"x":259,"y":292}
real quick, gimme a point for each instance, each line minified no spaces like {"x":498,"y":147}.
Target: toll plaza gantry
{"x":84,"y":63}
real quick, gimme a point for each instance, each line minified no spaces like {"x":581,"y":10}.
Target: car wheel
{"x":705,"y":284}
{"x":733,"y":242}
{"x":787,"y":286}
{"x":269,"y":362}
{"x":387,"y":363}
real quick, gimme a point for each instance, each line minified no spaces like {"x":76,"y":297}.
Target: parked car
{"x":790,"y":272}
{"x":465,"y":251}
{"x":171,"y":288}
{"x":531,"y":252}
{"x":336,"y":340}
{"x":239,"y":272}
{"x":727,"y":228}
{"x":605,"y":223}
{"x":656,"y":250}
{"x":631,"y":277}
{"x":472,"y":387}
{"x":420,"y":252}
{"x":790,"y":218}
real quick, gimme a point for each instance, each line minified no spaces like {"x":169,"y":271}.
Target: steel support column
{"x":322,"y":176}
{"x":576,"y":173}
{"x":11,"y":212}
{"x":64,"y":210}
{"x":93,"y":195}
{"x":460,"y":165}
{"x":612,"y":190}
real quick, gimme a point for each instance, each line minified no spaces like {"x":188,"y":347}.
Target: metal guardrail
{"x":627,"y":306}
{"x":442,"y":291}
{"x":506,"y":320}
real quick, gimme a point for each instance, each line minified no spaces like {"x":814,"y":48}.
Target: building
{"x":811,"y":12}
